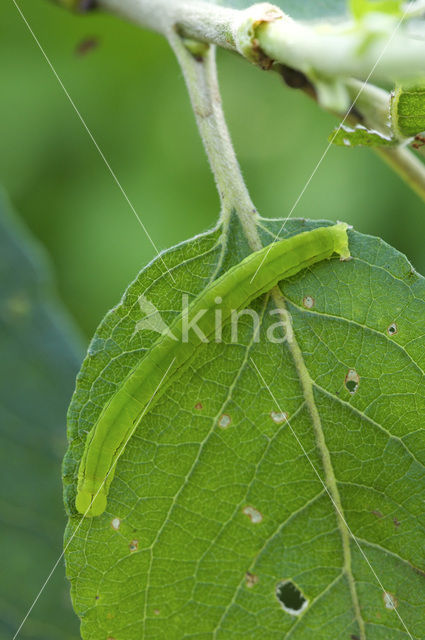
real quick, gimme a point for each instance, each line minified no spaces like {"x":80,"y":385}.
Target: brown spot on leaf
{"x":250,"y":580}
{"x":199,"y":406}
{"x":397,"y":523}
{"x":377,"y":513}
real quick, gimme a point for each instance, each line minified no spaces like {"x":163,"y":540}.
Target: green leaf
{"x":360,"y":136}
{"x":217,"y":525}
{"x":39,"y":360}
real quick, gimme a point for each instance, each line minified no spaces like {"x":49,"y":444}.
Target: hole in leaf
{"x":134,"y":545}
{"x":290,"y":598}
{"x":392,"y":329}
{"x":352,"y":380}
{"x":351,"y":386}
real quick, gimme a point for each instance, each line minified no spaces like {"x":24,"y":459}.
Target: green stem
{"x":201,"y":78}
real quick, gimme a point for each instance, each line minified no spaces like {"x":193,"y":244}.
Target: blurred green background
{"x":132,"y":95}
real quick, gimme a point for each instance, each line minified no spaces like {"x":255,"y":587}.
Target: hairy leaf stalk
{"x":200,"y":72}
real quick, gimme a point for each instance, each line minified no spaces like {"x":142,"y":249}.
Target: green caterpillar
{"x":249,"y":279}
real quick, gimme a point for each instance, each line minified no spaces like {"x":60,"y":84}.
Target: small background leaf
{"x":39,"y":358}
{"x":214,"y":506}
{"x":360,"y":136}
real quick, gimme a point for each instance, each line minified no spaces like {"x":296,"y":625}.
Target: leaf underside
{"x":208,"y":516}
